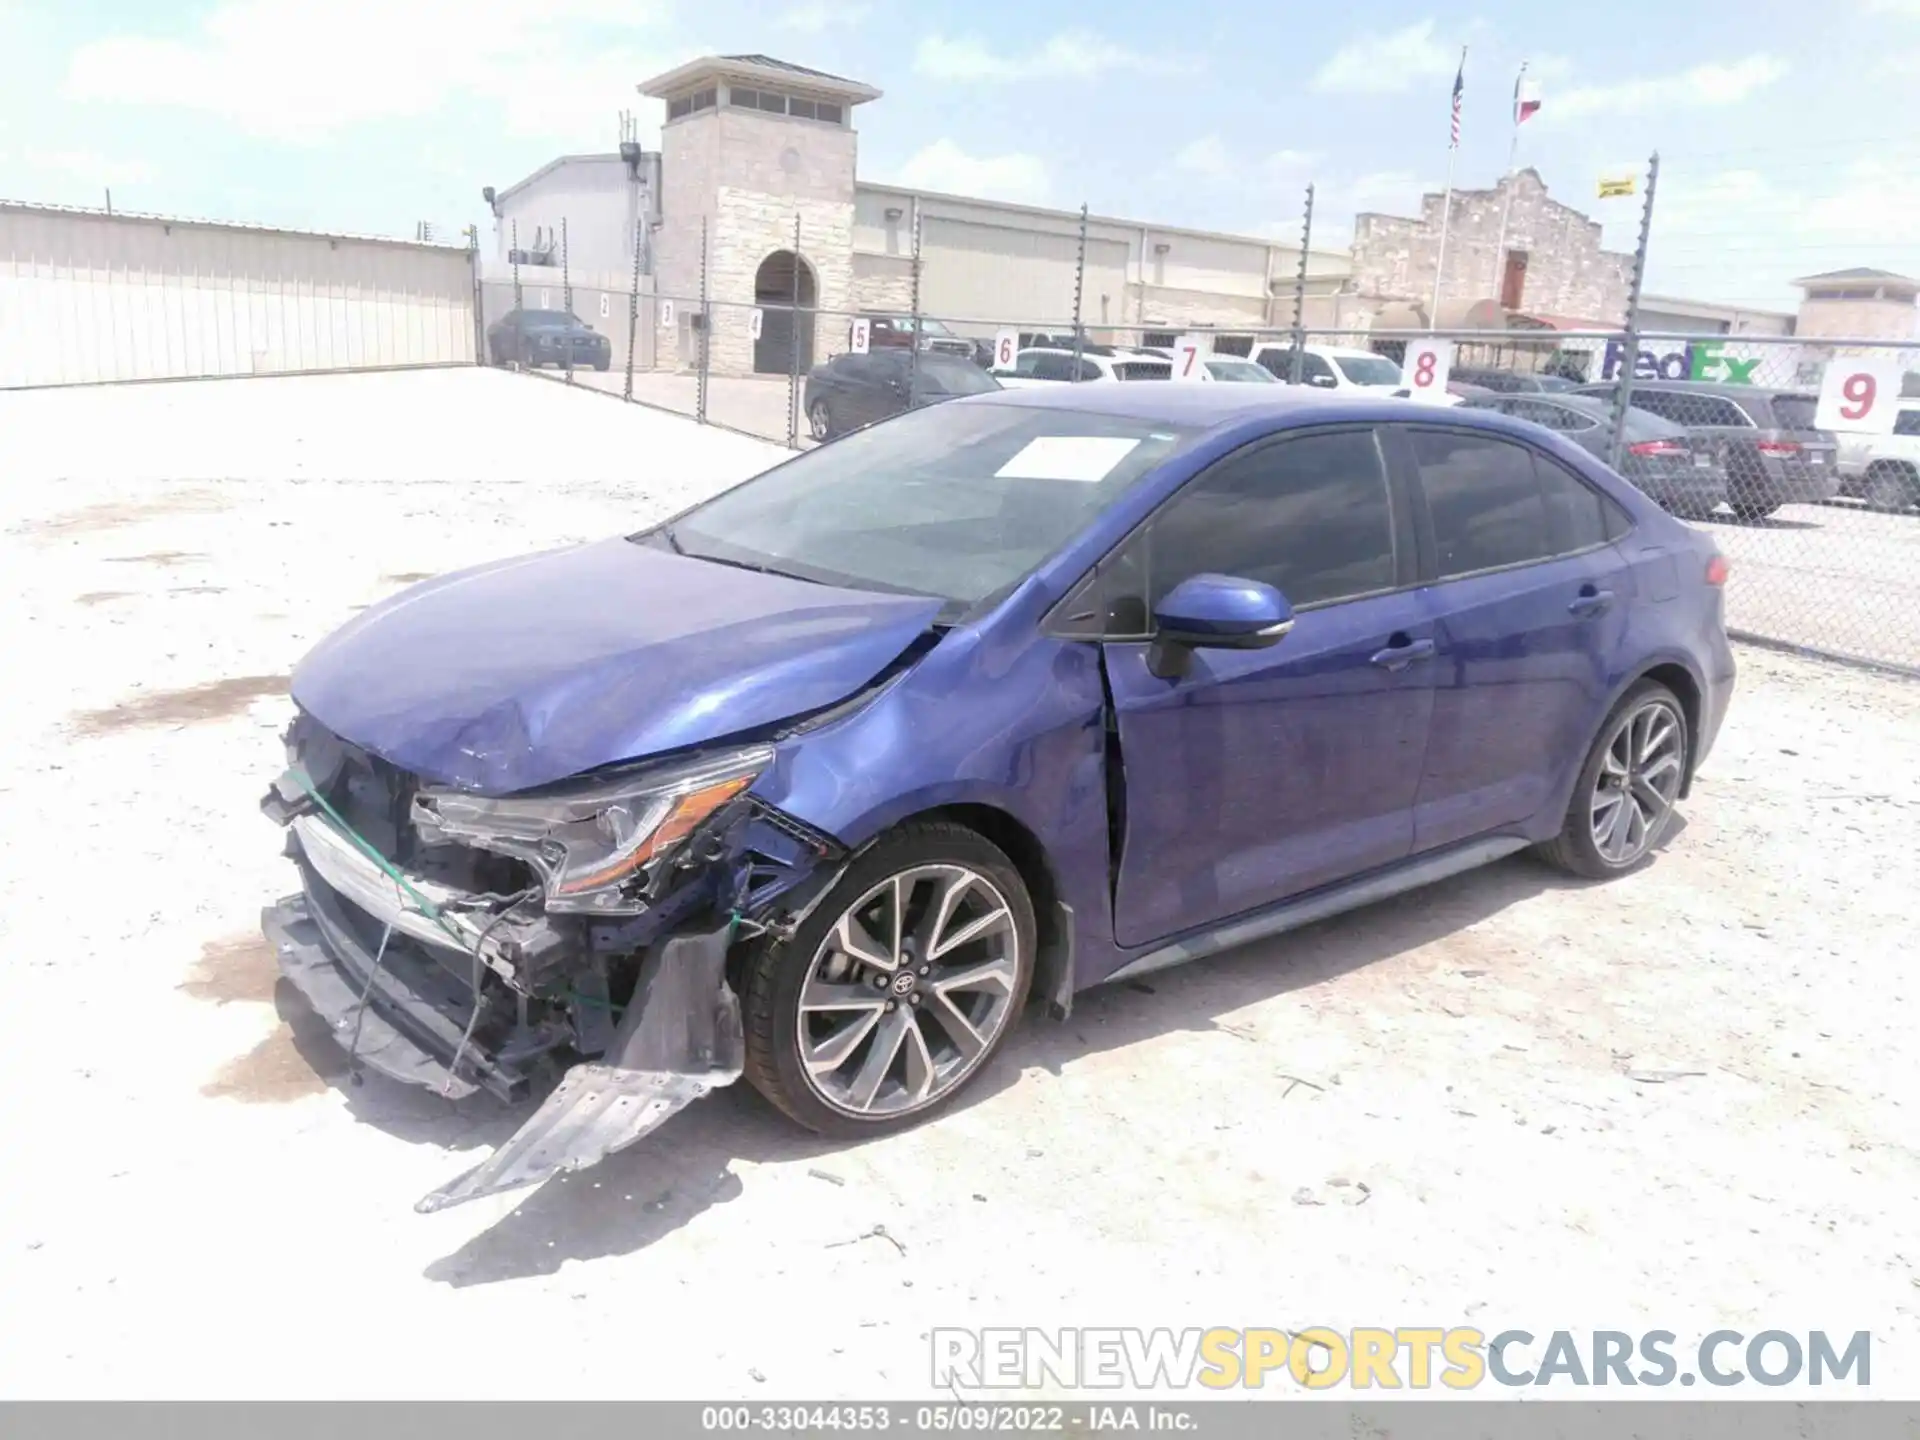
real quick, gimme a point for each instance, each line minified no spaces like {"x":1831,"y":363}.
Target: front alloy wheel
{"x":899,"y":986}
{"x":820,"y":421}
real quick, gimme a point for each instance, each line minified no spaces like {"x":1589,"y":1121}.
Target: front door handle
{"x":1590,"y":602}
{"x":1402,"y":652}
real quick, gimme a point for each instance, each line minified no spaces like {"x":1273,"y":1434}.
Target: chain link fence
{"x":1801,"y":454}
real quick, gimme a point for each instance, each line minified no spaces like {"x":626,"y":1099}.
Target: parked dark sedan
{"x":1762,"y":438}
{"x":850,"y":391}
{"x":1509,"y":382}
{"x":547,"y":337}
{"x":1674,"y":468}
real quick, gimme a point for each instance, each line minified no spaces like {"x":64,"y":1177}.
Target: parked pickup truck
{"x":1884,"y":470}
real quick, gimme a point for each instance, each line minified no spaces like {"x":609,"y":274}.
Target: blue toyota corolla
{"x":821,"y":780}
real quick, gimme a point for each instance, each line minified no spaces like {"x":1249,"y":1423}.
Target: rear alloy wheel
{"x":1624,"y":799}
{"x":820,"y":421}
{"x":897,"y":989}
{"x":1891,"y":488}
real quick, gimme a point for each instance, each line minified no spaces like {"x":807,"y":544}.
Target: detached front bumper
{"x":461,"y":990}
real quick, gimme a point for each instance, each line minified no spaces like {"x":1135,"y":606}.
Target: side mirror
{"x":1325,"y":382}
{"x":1216,"y":612}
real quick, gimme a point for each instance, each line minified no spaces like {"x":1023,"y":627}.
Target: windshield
{"x":1368,"y":369}
{"x":937,"y":379}
{"x":547,"y":319}
{"x":1241,"y":370}
{"x":958,"y":501}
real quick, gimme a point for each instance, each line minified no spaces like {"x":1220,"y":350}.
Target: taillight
{"x":1717,"y":569}
{"x":1657,"y":447}
{"x":1779,"y":447}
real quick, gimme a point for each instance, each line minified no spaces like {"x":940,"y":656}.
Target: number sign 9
{"x":1859,"y":395}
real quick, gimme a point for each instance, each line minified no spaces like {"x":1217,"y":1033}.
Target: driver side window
{"x":1311,"y":516}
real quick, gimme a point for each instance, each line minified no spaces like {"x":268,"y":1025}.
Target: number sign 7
{"x":1190,"y":357}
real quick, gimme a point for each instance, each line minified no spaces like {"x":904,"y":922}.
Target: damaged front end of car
{"x":586,"y":930}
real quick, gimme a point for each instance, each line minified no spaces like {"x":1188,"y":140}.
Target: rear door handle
{"x":1402,"y":652}
{"x":1590,"y":602}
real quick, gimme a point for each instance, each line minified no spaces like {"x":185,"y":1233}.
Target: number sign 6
{"x":1859,"y":395}
{"x":1423,"y":373}
{"x":1006,"y":349}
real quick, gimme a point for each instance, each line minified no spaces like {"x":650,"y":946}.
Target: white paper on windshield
{"x":1088,"y":459}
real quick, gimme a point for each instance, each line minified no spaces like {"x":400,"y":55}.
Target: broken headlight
{"x":596,"y":843}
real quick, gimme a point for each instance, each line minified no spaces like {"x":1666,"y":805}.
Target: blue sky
{"x":1786,"y":131}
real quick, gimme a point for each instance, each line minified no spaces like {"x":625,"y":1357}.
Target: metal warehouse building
{"x":756,"y":149}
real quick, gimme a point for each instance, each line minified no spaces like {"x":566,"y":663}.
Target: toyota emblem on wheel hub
{"x":903,"y":982}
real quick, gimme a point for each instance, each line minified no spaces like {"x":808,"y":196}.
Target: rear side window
{"x":1907,"y":422}
{"x":1486,"y":505}
{"x":1495,"y":504}
{"x":1310,"y":516}
{"x":1792,"y":412}
{"x":1579,"y":517}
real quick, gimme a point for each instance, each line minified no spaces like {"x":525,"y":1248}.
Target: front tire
{"x":898,"y":989}
{"x":820,"y":421}
{"x":1623,"y":801}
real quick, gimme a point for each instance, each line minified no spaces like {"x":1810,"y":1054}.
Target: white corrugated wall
{"x":88,"y":297}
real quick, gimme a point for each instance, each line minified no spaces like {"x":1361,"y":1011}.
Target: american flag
{"x":1459,"y":84}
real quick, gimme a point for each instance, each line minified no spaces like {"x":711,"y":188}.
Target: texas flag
{"x":1526,"y":98}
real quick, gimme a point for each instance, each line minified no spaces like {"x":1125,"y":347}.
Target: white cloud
{"x":1206,"y":156}
{"x":88,"y":167}
{"x":944,"y":166}
{"x":1211,"y":158}
{"x":1383,"y":63}
{"x":816,"y":16}
{"x":1742,"y":235}
{"x":1071,"y":55}
{"x":297,"y":69}
{"x":1702,"y":87}
{"x":1397,"y":192}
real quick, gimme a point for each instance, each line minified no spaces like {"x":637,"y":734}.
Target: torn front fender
{"x":679,"y":1039}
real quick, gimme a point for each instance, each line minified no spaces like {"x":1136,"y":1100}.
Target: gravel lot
{"x":1685,"y":1100}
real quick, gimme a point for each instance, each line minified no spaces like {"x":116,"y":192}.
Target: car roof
{"x":1731,"y":389}
{"x":1208,"y":407}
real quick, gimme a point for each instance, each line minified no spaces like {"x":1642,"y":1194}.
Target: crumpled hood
{"x":527,"y":671}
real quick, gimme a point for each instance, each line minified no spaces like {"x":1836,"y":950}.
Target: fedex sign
{"x":1701,"y":360}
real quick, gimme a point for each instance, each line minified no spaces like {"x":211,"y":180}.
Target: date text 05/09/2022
{"x":942,"y":1418}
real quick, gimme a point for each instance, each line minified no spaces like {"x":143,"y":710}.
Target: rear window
{"x":1792,"y":412}
{"x":1368,"y":369}
{"x":938,"y":379}
{"x":1144,"y":370}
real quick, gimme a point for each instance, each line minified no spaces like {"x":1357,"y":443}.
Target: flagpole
{"x":1446,"y":204}
{"x":1506,"y":202}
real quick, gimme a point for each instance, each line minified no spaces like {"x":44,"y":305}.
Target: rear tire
{"x":1622,"y":803}
{"x":1890,"y":488}
{"x":818,"y":1011}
